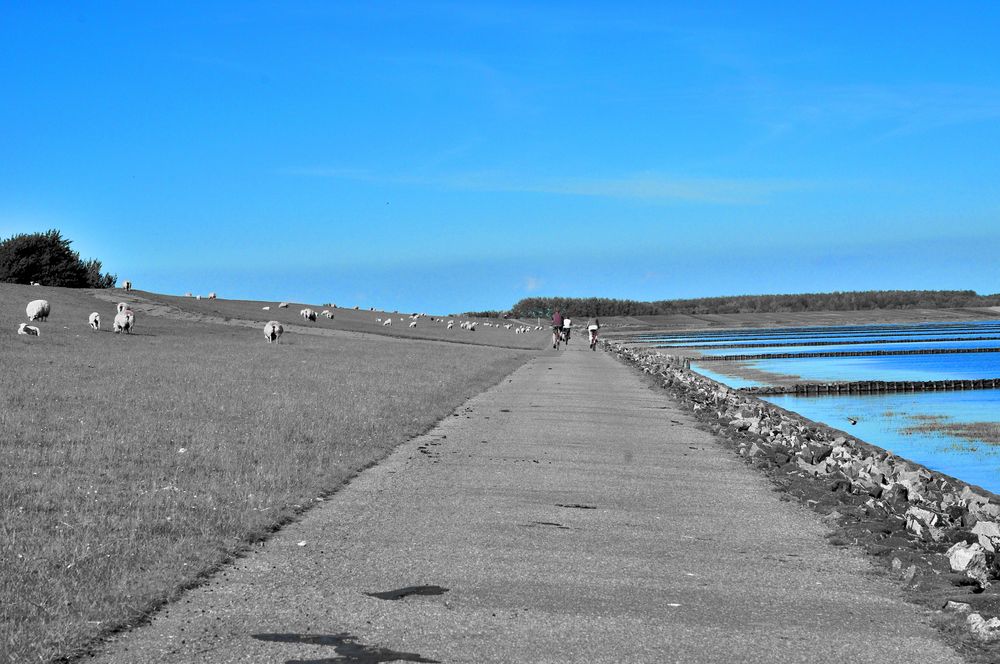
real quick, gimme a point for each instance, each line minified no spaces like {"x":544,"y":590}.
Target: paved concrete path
{"x":574,"y":514}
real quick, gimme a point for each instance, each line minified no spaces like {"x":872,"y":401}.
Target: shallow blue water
{"x":847,"y":348}
{"x":731,"y":381}
{"x":814,"y":339}
{"x":959,"y":366}
{"x":807,"y":334}
{"x":882,"y":419}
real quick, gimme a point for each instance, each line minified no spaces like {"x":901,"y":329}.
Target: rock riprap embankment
{"x":940,"y":536}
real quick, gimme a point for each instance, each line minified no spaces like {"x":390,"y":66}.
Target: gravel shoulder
{"x":571,"y":513}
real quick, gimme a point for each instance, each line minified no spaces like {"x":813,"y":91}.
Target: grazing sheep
{"x":327,"y":313}
{"x":127,"y":285}
{"x":308,"y":314}
{"x":413,"y":324}
{"x":378,"y":320}
{"x":29,"y":330}
{"x":283,"y":305}
{"x":451,"y":324}
{"x":38,"y":310}
{"x":95,"y":321}
{"x":188,"y":295}
{"x":197,"y":297}
{"x":265,"y":308}
{"x":211,"y":295}
{"x":472,"y":327}
{"x":35,"y":283}
{"x":388,"y":321}
{"x":124,"y":319}
{"x":273,"y":331}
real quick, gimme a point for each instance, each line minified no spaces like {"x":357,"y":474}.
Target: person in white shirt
{"x":567,"y":324}
{"x":593,"y":326}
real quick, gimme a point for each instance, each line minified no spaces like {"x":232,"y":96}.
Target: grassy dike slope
{"x":131,"y":466}
{"x":250,"y":312}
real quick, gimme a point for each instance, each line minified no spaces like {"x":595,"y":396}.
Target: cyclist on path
{"x":593,"y":326}
{"x":557,"y":323}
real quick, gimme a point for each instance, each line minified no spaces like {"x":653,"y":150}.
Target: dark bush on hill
{"x":486,"y":314}
{"x":47,"y":259}
{"x":740,"y":304}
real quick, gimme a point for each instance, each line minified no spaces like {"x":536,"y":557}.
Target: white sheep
{"x":283,"y":305}
{"x":197,"y":297}
{"x":36,"y":283}
{"x":451,"y":324}
{"x":265,"y":308}
{"x":327,"y":313}
{"x":472,"y":327}
{"x":29,"y":330}
{"x":95,"y":321}
{"x":38,"y":310}
{"x":388,"y":321}
{"x":273,"y":331}
{"x":378,"y":320}
{"x":188,"y":295}
{"x":413,"y":324}
{"x":308,"y":314}
{"x":127,"y":285}
{"x":211,"y":295}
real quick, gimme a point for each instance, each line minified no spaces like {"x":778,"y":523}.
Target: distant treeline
{"x":46,"y":258}
{"x":486,"y":314}
{"x":739,"y":304}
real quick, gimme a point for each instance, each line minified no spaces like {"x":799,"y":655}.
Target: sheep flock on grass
{"x":124,"y":320}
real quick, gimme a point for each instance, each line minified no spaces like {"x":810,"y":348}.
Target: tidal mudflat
{"x":955,"y":432}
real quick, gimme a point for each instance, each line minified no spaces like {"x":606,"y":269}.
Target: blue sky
{"x":454,"y":156}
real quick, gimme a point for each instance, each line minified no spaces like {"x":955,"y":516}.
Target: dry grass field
{"x":133,"y":465}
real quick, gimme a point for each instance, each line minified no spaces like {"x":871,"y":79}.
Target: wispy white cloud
{"x":532,"y":284}
{"x":894,"y":110}
{"x":639,"y":186}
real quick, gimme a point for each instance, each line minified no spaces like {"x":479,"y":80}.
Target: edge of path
{"x":94,"y":646}
{"x":897,"y":536}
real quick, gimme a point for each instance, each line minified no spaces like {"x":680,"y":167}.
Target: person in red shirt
{"x":557,"y":323}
